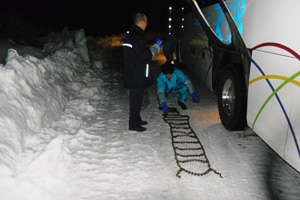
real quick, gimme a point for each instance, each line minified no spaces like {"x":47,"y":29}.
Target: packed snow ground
{"x":64,"y":135}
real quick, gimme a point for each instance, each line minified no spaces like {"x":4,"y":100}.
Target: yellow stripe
{"x":274,"y":77}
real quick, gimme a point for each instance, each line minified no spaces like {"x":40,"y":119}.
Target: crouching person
{"x":172,"y":80}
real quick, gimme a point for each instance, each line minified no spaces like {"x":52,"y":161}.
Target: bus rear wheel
{"x":231,"y":97}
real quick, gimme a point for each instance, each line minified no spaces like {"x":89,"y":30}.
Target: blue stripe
{"x":282,"y":107}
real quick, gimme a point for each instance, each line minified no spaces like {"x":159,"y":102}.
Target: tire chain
{"x":181,"y":131}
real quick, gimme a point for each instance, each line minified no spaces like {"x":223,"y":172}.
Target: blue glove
{"x":165,"y":108}
{"x":159,"y":42}
{"x":195,"y":98}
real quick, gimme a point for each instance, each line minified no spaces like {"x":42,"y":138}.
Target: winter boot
{"x":137,"y":128}
{"x":182,"y":105}
{"x":143,"y":123}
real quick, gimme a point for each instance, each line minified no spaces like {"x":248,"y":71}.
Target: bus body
{"x":247,"y":52}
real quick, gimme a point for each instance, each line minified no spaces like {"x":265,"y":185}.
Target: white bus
{"x":247,"y":52}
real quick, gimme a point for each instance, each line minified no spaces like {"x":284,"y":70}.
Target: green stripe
{"x":273,"y":94}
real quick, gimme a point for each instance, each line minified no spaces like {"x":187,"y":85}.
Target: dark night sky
{"x":96,"y":17}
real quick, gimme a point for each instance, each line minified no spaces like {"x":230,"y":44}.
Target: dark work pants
{"x":136,"y":102}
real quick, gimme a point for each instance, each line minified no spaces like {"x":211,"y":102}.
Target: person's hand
{"x":165,"y":107}
{"x":195,"y":98}
{"x":159,"y":42}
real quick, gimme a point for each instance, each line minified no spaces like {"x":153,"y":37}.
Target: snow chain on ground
{"x":185,"y":140}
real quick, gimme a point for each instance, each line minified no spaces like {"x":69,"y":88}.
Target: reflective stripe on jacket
{"x":137,"y":57}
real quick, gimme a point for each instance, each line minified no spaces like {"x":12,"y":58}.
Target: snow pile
{"x":33,"y":94}
{"x":22,"y":50}
{"x":74,"y":41}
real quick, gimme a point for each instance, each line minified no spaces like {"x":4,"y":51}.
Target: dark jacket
{"x":170,"y":47}
{"x":137,"y":57}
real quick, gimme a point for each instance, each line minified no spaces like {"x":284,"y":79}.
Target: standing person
{"x":169,"y":46}
{"x":172,"y":80}
{"x":137,"y":56}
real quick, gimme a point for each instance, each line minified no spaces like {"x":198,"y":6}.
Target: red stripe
{"x":279,"y":46}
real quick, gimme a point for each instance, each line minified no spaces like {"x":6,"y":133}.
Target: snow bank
{"x":22,"y":50}
{"x":74,"y":41}
{"x":34,"y":92}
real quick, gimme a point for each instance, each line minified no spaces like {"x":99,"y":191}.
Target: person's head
{"x":168,"y":69}
{"x":140,"y":19}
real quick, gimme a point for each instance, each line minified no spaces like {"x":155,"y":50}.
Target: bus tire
{"x":231,"y":96}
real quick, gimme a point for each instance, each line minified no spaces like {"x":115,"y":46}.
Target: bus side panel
{"x":267,"y":114}
{"x":203,"y":68}
{"x":272,"y":21}
{"x":292,"y":154}
{"x":195,"y":51}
